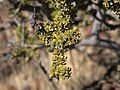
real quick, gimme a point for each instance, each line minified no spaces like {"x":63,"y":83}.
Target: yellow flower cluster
{"x":59,"y":35}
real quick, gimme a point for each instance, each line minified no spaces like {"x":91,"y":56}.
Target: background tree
{"x":98,"y":45}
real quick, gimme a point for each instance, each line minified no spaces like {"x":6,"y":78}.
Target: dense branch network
{"x":100,"y":24}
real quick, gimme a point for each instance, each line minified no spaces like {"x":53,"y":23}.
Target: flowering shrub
{"x":58,"y":35}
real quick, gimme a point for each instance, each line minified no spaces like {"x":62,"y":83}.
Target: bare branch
{"x":101,"y":16}
{"x":47,"y":75}
{"x":5,"y":26}
{"x":92,"y":41}
{"x":23,"y":34}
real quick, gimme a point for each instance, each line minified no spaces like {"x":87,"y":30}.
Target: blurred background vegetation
{"x":95,"y":60}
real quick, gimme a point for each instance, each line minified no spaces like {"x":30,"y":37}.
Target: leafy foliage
{"x":113,"y":5}
{"x":58,"y":35}
{"x":22,"y":54}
